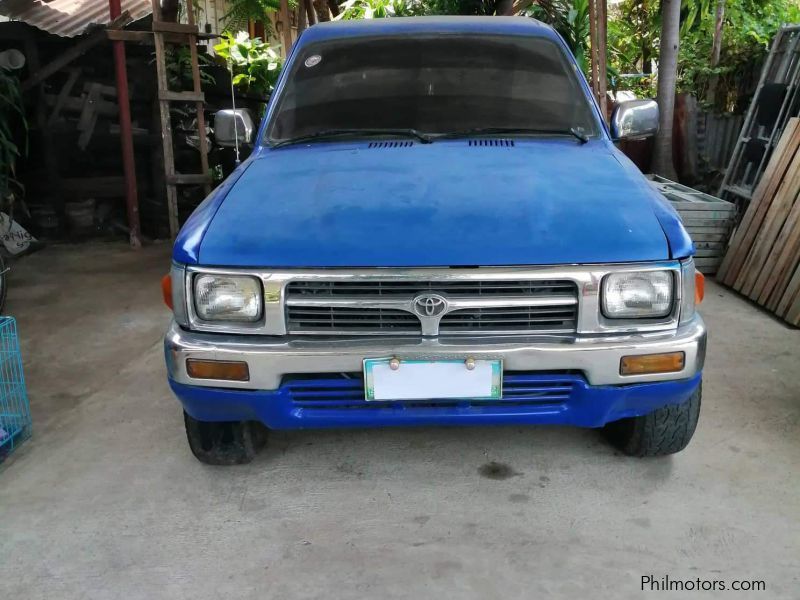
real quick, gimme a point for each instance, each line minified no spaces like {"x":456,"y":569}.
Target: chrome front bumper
{"x":270,"y":358}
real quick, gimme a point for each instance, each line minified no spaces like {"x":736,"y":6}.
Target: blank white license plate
{"x":432,"y":380}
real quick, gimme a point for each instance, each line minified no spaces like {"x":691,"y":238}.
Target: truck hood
{"x":449,"y":203}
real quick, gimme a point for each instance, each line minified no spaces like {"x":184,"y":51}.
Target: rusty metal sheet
{"x":68,"y":18}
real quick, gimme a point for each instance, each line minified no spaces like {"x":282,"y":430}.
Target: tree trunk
{"x":310,"y":12}
{"x":647,"y":66}
{"x":667,"y":75}
{"x":504,"y":8}
{"x":323,"y":11}
{"x":334,"y":8}
{"x":716,"y":48}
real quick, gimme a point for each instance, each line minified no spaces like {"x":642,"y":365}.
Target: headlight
{"x":227,"y":298}
{"x":640,"y":294}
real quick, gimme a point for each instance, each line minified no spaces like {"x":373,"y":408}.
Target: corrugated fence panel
{"x":717,"y":135}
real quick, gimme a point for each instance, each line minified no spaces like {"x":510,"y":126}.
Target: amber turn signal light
{"x":227,"y":370}
{"x":699,"y":287}
{"x":652,"y":363}
{"x":166,"y":290}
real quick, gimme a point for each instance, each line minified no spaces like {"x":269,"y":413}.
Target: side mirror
{"x":634,"y":120}
{"x":228,"y":123}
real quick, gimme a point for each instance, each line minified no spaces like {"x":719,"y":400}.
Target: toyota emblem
{"x":429,"y":305}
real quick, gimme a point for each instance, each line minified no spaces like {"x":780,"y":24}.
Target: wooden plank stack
{"x":763,"y":260}
{"x":707,"y":219}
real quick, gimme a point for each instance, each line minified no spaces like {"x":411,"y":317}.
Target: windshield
{"x":433,"y":85}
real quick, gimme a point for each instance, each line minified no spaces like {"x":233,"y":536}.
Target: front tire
{"x":224,"y":443}
{"x":665,"y":431}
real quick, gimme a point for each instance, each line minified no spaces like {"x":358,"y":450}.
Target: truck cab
{"x":435,"y":227}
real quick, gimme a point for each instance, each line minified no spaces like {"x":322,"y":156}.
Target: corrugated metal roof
{"x":68,"y":18}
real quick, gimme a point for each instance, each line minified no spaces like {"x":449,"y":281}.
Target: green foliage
{"x":748,"y":30}
{"x":12,"y":111}
{"x":460,"y":7}
{"x":256,"y":65}
{"x":375,"y":9}
{"x":570,"y":18}
{"x":634,"y":28}
{"x":242,"y":11}
{"x":633,"y":33}
{"x":379,"y":9}
{"x":749,"y":26}
{"x":179,"y":68}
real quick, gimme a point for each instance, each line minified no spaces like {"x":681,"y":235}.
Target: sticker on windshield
{"x":313,"y":60}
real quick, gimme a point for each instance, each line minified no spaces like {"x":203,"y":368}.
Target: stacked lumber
{"x":763,"y":260}
{"x":708,"y":220}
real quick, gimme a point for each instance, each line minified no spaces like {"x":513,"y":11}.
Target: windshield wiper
{"x":329,"y":133}
{"x":582,"y":137}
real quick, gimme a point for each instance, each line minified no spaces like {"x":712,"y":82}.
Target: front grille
{"x":374,"y":307}
{"x":350,"y":320}
{"x":346,"y":391}
{"x":537,"y":319}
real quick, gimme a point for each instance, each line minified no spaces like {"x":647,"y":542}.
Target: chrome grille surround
{"x":534,"y":290}
{"x":431,"y":307}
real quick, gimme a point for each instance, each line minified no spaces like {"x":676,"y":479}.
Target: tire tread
{"x":664,"y":431}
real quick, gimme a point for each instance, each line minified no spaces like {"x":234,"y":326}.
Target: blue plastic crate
{"x":15,"y":411}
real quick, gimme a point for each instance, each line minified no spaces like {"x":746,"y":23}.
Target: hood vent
{"x":404,"y":144}
{"x":503,"y":143}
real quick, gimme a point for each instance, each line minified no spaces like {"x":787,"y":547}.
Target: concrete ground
{"x":107,"y":502}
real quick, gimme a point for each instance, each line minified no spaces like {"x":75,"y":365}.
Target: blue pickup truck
{"x":434,"y":227}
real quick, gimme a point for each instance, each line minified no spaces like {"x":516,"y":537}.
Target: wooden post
{"x":49,"y":156}
{"x":593,"y":47}
{"x":126,"y":133}
{"x":286,"y":23}
{"x":200,"y":105}
{"x":187,"y":34}
{"x":302,"y":18}
{"x":166,"y":126}
{"x":597,"y":39}
{"x":602,"y":59}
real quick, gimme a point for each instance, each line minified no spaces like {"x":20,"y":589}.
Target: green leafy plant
{"x":378,"y":9}
{"x":12,"y":111}
{"x":570,"y":18}
{"x":748,"y":29}
{"x":460,"y":7}
{"x":178,"y":63}
{"x":255,"y":65}
{"x":240,"y":12}
{"x":375,"y":9}
{"x":179,"y":68}
{"x":633,"y":38}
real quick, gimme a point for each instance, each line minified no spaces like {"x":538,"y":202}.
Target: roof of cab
{"x":427,"y":25}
